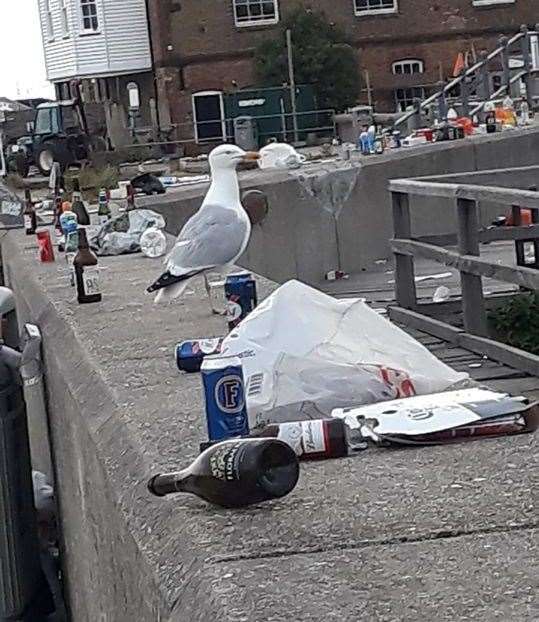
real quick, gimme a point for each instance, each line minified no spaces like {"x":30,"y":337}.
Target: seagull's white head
{"x":229,"y":156}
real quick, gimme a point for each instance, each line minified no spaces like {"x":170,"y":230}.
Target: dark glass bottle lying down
{"x":235,"y":473}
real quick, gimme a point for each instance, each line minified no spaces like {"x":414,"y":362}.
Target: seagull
{"x":213,"y":238}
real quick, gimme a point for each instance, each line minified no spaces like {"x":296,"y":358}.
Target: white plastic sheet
{"x":305,"y":353}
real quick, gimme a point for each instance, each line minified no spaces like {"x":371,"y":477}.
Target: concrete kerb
{"x":75,"y":388}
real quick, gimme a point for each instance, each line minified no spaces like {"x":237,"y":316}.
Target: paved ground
{"x":439,"y":533}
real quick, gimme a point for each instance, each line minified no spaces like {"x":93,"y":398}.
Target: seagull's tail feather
{"x":166,"y":294}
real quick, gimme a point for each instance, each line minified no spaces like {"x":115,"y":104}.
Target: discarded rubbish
{"x":235,"y":473}
{"x":241,"y":297}
{"x":86,"y":272}
{"x":29,"y":214}
{"x":428,"y":277}
{"x":122,"y":235}
{"x":305,"y":353}
{"x":281,"y":156}
{"x":77,"y":204}
{"x":148,"y":184}
{"x":441,"y":294}
{"x":104,"y":213}
{"x":224,"y":390}
{"x":46,"y":252}
{"x":153,"y":243}
{"x":442,"y":417}
{"x":190,"y":354}
{"x":311,"y":440}
{"x":336,"y":275}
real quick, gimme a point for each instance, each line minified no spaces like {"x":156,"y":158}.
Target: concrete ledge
{"x":353,"y":529}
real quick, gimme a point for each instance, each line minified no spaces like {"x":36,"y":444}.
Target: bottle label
{"x":224,"y":462}
{"x":27,"y":221}
{"x":305,"y":437}
{"x":90,"y":281}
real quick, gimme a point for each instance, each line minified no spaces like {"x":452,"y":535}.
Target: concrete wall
{"x":338,"y":215}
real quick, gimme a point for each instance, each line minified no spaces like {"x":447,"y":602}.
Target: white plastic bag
{"x":305,"y":353}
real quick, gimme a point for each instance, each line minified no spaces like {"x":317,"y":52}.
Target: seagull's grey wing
{"x":214,"y":236}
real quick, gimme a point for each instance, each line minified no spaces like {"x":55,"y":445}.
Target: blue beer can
{"x":190,"y":354}
{"x":240,"y":293}
{"x":226,"y":410}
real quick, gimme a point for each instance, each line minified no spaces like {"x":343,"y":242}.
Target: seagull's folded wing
{"x":213,"y":237}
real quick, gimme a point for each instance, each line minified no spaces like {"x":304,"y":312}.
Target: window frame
{"x":408,"y":88}
{"x":89,"y":31}
{"x":250,"y":23}
{"x":374,"y":11}
{"x":408,"y":61}
{"x":49,"y":21}
{"x":64,"y":14}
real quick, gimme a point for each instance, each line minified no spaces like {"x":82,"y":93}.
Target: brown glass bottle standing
{"x":86,"y":272}
{"x":311,"y":440}
{"x":30,"y":218}
{"x":77,"y":205}
{"x":58,"y":213}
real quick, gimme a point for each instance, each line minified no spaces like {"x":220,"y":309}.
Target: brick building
{"x":203,"y":48}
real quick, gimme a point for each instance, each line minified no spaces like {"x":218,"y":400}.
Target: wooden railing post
{"x":405,"y":291}
{"x":516,"y":216}
{"x":473,"y":303}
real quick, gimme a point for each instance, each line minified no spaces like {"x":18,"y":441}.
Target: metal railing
{"x":320,"y":122}
{"x":477,"y":78}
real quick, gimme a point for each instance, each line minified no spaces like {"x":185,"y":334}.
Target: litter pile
{"x":325,"y":378}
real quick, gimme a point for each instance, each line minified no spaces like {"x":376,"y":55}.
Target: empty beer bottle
{"x":86,"y":272}
{"x":77,"y":204}
{"x":130,"y":204}
{"x":235,"y":473}
{"x":311,"y":440}
{"x":103,"y":212}
{"x":30,"y":218}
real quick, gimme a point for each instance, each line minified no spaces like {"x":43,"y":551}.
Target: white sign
{"x":246,"y":103}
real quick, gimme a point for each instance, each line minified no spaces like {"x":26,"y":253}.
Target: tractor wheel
{"x":48,"y":153}
{"x":45,"y":159}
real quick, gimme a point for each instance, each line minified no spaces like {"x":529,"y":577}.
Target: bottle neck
{"x":83,"y":240}
{"x":168,"y":483}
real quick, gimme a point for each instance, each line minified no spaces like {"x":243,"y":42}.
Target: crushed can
{"x":190,"y":354}
{"x":240,"y":293}
{"x":224,"y":390}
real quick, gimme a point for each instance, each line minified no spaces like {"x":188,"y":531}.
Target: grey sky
{"x":22,"y":68}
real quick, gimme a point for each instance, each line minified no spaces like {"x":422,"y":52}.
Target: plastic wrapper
{"x":122,"y":234}
{"x":305,"y":353}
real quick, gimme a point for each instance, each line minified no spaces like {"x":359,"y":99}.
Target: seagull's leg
{"x":208,"y":290}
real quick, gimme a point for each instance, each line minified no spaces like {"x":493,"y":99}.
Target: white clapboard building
{"x":104,"y":43}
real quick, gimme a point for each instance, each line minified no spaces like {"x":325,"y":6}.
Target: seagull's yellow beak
{"x":251,"y":156}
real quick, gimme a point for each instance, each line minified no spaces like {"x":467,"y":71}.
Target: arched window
{"x":408,"y":66}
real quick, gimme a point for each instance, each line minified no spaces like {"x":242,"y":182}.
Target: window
{"x":367,"y":7}
{"x":405,"y":97}
{"x":255,"y":12}
{"x":90,"y":21}
{"x":48,"y":18}
{"x":408,"y":67}
{"x":65,"y":17}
